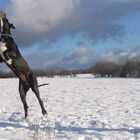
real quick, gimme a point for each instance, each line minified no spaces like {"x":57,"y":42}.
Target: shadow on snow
{"x":74,"y":129}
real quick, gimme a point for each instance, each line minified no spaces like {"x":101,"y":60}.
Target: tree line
{"x":50,"y":73}
{"x":131,"y":68}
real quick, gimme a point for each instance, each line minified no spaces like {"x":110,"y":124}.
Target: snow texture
{"x":78,"y":109}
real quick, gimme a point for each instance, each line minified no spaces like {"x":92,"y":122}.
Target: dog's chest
{"x":3,"y":49}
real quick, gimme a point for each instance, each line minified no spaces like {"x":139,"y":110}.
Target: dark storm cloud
{"x":49,"y":20}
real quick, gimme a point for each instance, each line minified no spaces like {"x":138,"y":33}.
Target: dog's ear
{"x":12,"y":26}
{"x":2,"y":14}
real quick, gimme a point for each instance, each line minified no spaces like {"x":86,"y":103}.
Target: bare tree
{"x":106,"y":68}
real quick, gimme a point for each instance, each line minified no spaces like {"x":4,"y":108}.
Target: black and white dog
{"x":10,"y":54}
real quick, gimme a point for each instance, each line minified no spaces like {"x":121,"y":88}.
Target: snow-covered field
{"x":78,"y":109}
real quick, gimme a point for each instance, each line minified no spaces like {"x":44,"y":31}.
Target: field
{"x":82,"y":108}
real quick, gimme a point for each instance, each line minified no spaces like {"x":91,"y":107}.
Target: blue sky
{"x":3,"y":3}
{"x":75,"y":33}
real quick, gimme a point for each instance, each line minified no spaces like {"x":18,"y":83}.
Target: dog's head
{"x":4,"y":23}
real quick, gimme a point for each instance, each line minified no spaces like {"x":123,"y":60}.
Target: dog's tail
{"x":43,"y":84}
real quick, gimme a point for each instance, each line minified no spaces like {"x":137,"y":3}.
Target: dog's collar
{"x":6,"y":35}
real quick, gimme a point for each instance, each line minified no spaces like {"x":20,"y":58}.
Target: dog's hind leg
{"x":23,"y":90}
{"x":34,"y":87}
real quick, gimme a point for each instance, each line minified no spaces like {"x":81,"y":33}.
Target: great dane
{"x":9,"y":53}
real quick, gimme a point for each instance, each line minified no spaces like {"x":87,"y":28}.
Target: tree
{"x":50,"y":73}
{"x":107,"y":68}
{"x":131,"y":68}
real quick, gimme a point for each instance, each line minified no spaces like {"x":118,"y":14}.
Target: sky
{"x":74,"y":34}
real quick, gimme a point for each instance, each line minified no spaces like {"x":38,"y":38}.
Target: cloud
{"x":49,"y":20}
{"x":80,"y":57}
{"x":36,"y":19}
{"x":45,"y":23}
{"x":114,"y":56}
{"x":39,"y":16}
{"x":118,"y":56}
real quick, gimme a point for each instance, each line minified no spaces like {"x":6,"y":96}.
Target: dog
{"x":10,"y":54}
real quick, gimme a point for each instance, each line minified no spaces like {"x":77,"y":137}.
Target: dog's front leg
{"x":1,"y":60}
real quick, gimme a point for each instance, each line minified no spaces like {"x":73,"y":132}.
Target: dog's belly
{"x":3,"y":49}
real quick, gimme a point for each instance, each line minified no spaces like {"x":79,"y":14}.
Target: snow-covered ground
{"x":78,"y":109}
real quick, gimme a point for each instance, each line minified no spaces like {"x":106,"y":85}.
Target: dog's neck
{"x":5,"y":29}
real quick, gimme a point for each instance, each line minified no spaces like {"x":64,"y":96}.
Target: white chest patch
{"x":3,"y":48}
{"x":1,"y":21}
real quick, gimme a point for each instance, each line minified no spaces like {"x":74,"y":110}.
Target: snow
{"x":88,"y":75}
{"x":78,"y":109}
